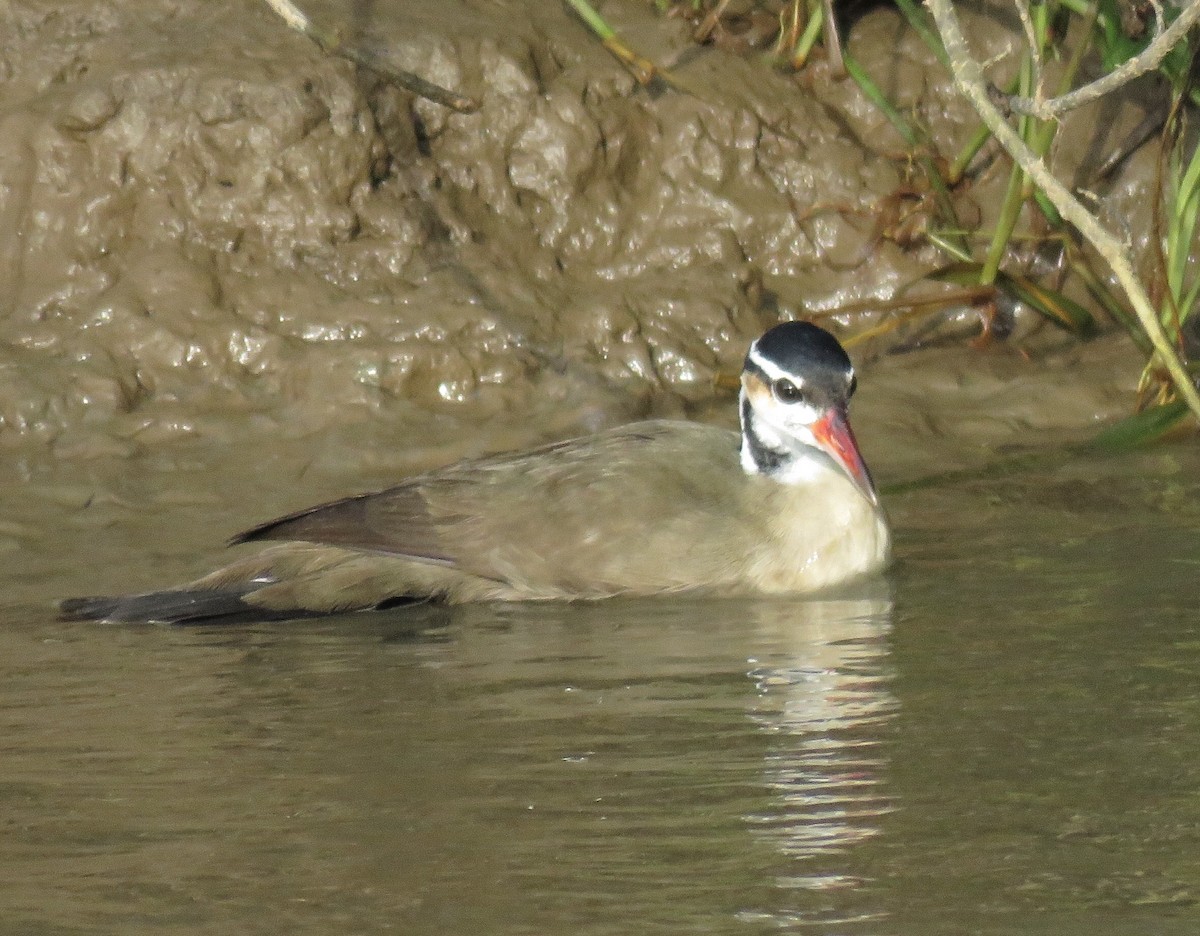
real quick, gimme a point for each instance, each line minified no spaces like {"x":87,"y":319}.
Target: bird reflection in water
{"x":825,"y":697}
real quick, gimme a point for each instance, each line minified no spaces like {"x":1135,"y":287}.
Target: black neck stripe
{"x":767,"y":460}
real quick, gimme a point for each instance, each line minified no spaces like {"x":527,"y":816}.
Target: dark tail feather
{"x":195,"y":606}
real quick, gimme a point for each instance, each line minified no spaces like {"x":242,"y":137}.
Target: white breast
{"x":819,"y":534}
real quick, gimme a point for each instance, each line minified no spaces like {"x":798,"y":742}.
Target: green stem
{"x":958,"y":168}
{"x":1185,"y":208}
{"x":1010,"y":211}
{"x":1016,"y":194}
{"x":804,"y":45}
{"x":594,"y":20}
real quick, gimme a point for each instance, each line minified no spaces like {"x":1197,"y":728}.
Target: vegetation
{"x":1127,"y":41}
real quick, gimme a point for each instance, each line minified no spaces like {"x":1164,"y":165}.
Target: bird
{"x":786,"y":506}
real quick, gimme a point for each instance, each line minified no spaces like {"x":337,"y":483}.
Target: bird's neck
{"x":765,"y":452}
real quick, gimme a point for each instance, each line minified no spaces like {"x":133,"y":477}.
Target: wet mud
{"x":210,"y":227}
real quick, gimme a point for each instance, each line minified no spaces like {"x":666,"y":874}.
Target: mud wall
{"x":208,"y":226}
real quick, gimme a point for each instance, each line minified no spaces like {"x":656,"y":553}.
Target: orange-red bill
{"x":835,"y":436}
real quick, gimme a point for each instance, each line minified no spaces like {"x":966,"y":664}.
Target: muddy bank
{"x":211,"y":230}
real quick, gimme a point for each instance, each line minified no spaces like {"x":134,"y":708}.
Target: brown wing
{"x":395,"y":521}
{"x":643,"y":507}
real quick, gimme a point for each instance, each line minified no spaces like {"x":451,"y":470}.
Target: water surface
{"x":1005,"y":739}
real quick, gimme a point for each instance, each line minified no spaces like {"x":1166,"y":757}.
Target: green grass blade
{"x":808,"y":39}
{"x":950,"y":242}
{"x":1142,"y":429}
{"x":1048,"y":210}
{"x":1006,"y":223}
{"x":1064,"y":312}
{"x":1185,"y":207}
{"x":595,"y":21}
{"x":918,"y":21}
{"x":875,"y":95}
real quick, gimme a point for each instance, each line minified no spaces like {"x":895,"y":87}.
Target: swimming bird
{"x":651,"y":508}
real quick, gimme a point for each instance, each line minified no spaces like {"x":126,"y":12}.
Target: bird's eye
{"x":853,"y":385}
{"x":786,"y":391}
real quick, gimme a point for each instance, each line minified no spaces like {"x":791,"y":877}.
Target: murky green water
{"x":1009,"y":742}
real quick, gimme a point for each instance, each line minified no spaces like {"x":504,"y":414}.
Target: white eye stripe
{"x":770,"y":369}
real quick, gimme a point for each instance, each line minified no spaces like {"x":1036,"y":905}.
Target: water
{"x":1004,"y":740}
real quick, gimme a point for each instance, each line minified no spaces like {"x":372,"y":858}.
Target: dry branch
{"x":1147,"y":60}
{"x":968,"y":76}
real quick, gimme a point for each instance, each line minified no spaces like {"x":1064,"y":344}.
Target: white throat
{"x":789,"y":458}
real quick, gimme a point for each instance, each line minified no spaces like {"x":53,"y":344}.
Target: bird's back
{"x":646,"y":508}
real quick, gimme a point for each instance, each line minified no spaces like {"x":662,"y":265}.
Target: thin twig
{"x":710,"y":22}
{"x":1147,"y":60}
{"x":291,"y":14}
{"x":1158,"y":17}
{"x":331,"y":43}
{"x":968,"y":76}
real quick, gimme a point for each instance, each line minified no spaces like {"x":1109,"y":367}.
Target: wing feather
{"x":395,"y":521}
{"x":579,"y":515}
